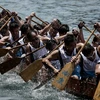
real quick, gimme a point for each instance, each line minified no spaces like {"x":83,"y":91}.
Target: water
{"x":12,"y":87}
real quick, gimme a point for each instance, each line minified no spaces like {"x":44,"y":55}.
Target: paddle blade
{"x":9,"y":64}
{"x":3,"y":52}
{"x":97,"y":93}
{"x":31,"y":70}
{"x":63,"y":76}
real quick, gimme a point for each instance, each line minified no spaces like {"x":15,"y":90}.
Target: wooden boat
{"x":85,"y":89}
{"x":81,"y":88}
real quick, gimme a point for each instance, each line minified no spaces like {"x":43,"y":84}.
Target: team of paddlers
{"x":14,"y":32}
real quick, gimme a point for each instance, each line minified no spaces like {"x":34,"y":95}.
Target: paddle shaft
{"x":34,"y":51}
{"x":5,"y":23}
{"x":3,"y":18}
{"x":57,"y":47}
{"x":5,"y":51}
{"x":17,"y":39}
{"x":41,"y":20}
{"x":91,"y":31}
{"x":4,"y":9}
{"x":36,"y":22}
{"x":18,"y":46}
{"x":85,"y":43}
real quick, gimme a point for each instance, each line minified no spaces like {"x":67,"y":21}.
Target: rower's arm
{"x":79,"y":46}
{"x":16,"y":18}
{"x":45,"y":30}
{"x":43,"y":38}
{"x":98,"y":50}
{"x":81,"y":37}
{"x":28,"y":59}
{"x":97,"y":69}
{"x":60,"y":38}
{"x":54,"y":55}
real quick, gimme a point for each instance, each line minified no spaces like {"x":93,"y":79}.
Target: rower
{"x":78,"y":33}
{"x":65,"y":55}
{"x":90,"y":58}
{"x":50,"y":45}
{"x":35,"y":43}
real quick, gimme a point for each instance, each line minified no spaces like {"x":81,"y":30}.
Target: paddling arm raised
{"x":81,"y":37}
{"x":15,"y":15}
{"x":97,"y":26}
{"x":45,"y":29}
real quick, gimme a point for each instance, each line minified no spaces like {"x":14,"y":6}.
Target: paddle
{"x":5,"y":51}
{"x":40,"y":19}
{"x":23,"y":36}
{"x":63,"y":76}
{"x":11,"y":63}
{"x":33,"y":68}
{"x":5,"y":23}
{"x":3,"y":18}
{"x":97,"y":93}
{"x":3,"y":8}
{"x":36,"y":22}
{"x":91,"y":31}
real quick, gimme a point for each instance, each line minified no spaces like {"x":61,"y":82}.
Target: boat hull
{"x":81,"y":88}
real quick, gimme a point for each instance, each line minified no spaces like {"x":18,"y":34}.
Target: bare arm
{"x":28,"y":59}
{"x":16,"y":18}
{"x":98,"y":49}
{"x":81,"y":37}
{"x":97,"y":69}
{"x":54,"y":55}
{"x":60,"y":38}
{"x":45,"y":29}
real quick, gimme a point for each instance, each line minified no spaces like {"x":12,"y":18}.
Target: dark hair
{"x":95,"y":39}
{"x":38,"y":27}
{"x":3,"y":12}
{"x":69,"y":39}
{"x":2,"y":23}
{"x":87,"y":49}
{"x":59,"y":21}
{"x":63,"y":29}
{"x":24,"y":28}
{"x":30,"y":36}
{"x":4,"y":29}
{"x":13,"y":25}
{"x":50,"y":44}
